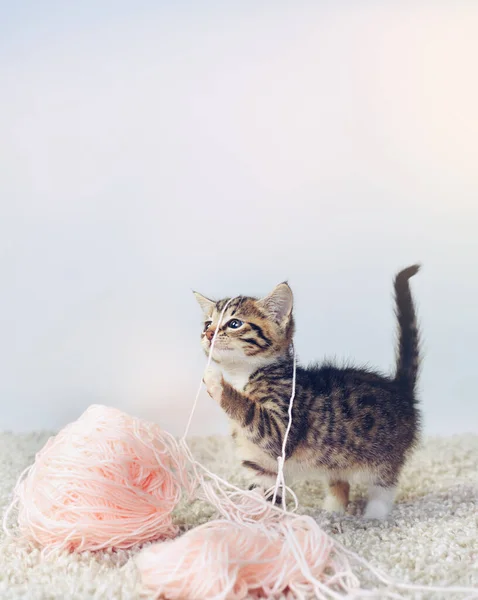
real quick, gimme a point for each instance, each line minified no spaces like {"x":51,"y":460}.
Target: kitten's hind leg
{"x":380,"y":501}
{"x":381,"y":493}
{"x":337,"y":496}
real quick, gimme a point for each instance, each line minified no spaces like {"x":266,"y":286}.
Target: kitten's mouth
{"x":218,"y":347}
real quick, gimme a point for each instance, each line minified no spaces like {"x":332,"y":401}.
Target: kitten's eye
{"x":235,"y":324}
{"x":207,"y":325}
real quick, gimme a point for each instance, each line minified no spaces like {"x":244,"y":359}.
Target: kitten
{"x":348,"y":423}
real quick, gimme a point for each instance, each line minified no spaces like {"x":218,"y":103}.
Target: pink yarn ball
{"x":108,"y":480}
{"x":224,"y":560}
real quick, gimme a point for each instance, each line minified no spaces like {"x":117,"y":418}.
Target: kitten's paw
{"x":377,"y":509}
{"x":380,"y":502}
{"x":332,"y":504}
{"x":267,"y":494}
{"x":213,"y":381}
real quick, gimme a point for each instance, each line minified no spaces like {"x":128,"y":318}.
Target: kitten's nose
{"x":210,"y":334}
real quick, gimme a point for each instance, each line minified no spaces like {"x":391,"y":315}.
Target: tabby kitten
{"x":348,"y":423}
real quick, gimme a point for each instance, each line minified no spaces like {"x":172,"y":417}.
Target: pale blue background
{"x":150,"y":148}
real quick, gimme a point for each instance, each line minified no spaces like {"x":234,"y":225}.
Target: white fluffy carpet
{"x":430,"y":538}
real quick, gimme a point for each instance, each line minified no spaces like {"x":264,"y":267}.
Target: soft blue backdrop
{"x":150,"y":148}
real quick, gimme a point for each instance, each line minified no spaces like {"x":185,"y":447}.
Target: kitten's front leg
{"x":265,"y":488}
{"x":236,"y":404}
{"x":247,"y":414}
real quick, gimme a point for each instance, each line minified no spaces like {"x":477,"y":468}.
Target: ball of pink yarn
{"x":224,"y":560}
{"x":108,"y":480}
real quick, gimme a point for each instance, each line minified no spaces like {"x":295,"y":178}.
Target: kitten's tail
{"x":408,"y":355}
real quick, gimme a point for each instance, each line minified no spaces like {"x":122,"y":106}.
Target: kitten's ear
{"x":206,"y":304}
{"x":279,"y":302}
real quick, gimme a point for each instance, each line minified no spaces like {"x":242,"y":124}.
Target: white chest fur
{"x":238,"y":378}
{"x":237,"y":373}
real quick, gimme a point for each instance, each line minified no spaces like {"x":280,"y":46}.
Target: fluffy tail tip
{"x":405,"y":274}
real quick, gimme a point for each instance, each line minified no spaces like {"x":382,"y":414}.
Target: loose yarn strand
{"x":208,"y":364}
{"x":280,"y":481}
{"x":15,"y":502}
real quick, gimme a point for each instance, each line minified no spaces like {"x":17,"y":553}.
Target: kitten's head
{"x":251,"y":328}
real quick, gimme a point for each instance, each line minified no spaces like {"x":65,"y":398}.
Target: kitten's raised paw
{"x":213,"y":381}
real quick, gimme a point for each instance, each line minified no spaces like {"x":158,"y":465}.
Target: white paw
{"x":380,"y":502}
{"x":333,"y":504}
{"x":377,"y":509}
{"x":213,"y":382}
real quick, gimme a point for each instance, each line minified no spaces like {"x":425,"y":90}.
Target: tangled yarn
{"x":225,"y":560}
{"x":107,"y":480}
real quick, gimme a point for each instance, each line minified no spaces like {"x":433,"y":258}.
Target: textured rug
{"x":430,"y":538}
